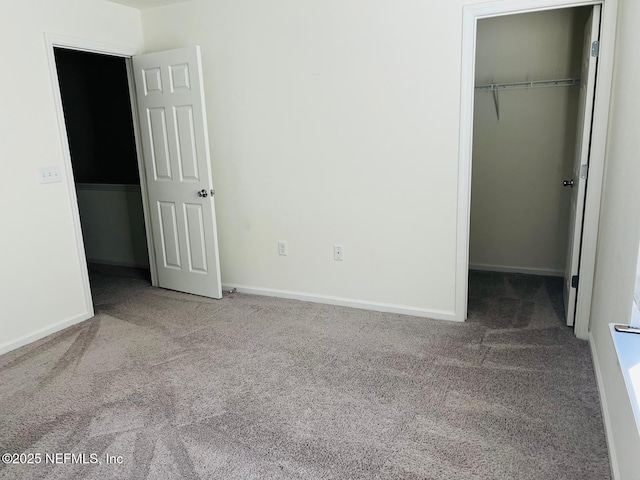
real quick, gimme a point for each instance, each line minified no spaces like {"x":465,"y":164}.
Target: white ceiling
{"x":142,"y":4}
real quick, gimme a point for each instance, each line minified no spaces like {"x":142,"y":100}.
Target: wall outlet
{"x":338,"y":253}
{"x":282,"y":248}
{"x":50,"y":175}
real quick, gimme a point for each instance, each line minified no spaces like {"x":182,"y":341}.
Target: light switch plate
{"x":50,"y":175}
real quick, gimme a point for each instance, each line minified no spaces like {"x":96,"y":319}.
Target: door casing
{"x":72,"y":43}
{"x":471,"y":15}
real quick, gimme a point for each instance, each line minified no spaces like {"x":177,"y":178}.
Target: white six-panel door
{"x":170,"y":98}
{"x":581,"y":161}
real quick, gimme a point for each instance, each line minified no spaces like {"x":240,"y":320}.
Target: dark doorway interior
{"x":97,"y":109}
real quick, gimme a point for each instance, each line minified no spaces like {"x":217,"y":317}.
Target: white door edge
{"x":144,"y":189}
{"x":73,"y":43}
{"x":588,"y":66}
{"x":471,"y":15}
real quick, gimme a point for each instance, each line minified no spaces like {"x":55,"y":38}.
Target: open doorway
{"x":167,"y":116}
{"x":96,"y":102}
{"x":528,"y":74}
{"x":598,"y":61}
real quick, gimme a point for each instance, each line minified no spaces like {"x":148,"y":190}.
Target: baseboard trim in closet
{"x":508,"y":269}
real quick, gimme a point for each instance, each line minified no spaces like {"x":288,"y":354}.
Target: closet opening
{"x":96,"y":103}
{"x":532,"y":114}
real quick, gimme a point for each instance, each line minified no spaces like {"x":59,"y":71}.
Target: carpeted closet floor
{"x":251,"y":387}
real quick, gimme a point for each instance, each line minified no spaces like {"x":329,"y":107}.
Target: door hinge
{"x":574,"y":281}
{"x":595,"y":48}
{"x":584,"y":171}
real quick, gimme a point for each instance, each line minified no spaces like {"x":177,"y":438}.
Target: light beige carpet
{"x":251,"y":387}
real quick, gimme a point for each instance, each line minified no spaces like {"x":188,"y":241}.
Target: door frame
{"x":471,"y":15}
{"x":71,"y":43}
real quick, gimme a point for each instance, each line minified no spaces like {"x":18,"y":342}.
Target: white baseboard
{"x":346,"y":302}
{"x":32,"y":337}
{"x":108,"y":187}
{"x":110,"y":263}
{"x":549,"y":272}
{"x":615,"y":473}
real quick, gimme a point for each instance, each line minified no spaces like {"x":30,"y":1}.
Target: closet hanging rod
{"x":565,"y":82}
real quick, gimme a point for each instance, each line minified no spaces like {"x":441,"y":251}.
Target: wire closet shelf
{"x":497,"y":87}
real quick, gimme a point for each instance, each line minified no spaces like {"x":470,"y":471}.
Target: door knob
{"x":568,"y":183}
{"x":203,"y":193}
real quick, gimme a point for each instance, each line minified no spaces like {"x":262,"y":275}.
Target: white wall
{"x":40,"y":279}
{"x":113,"y":224}
{"x":331,"y":122}
{"x":619,"y":236}
{"x":519,"y":209}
